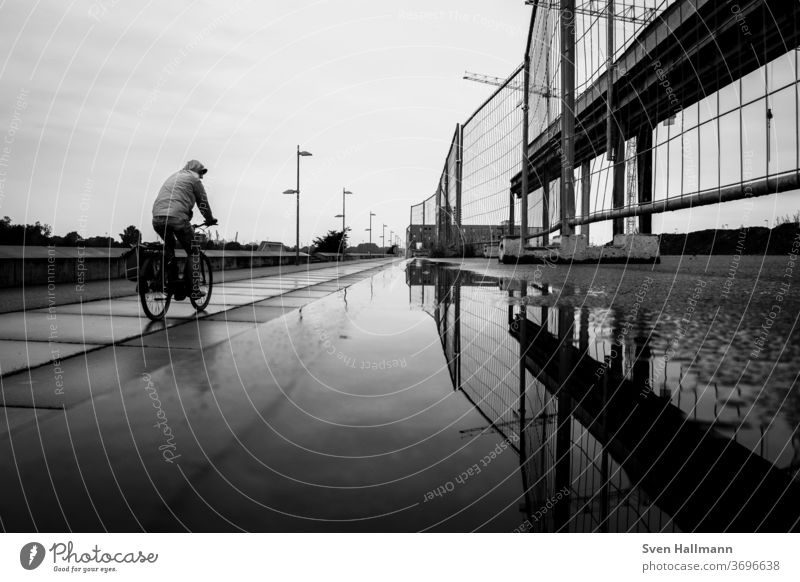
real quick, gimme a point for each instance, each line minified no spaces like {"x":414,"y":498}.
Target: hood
{"x":195,"y":166}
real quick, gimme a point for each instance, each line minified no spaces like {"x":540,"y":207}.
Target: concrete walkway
{"x":38,"y":296}
{"x":292,"y":406}
{"x":49,"y":355}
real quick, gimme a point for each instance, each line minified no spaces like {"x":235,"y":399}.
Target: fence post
{"x":447,"y":208}
{"x":438,"y":214}
{"x":644,"y":174}
{"x":459,"y":162}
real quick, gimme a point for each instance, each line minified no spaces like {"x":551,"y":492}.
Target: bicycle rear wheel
{"x":206,"y":283}
{"x":153,"y":291}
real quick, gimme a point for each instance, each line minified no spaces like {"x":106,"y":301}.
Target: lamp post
{"x":383,"y":237}
{"x":296,"y":192}
{"x":371,"y":214}
{"x":344,"y":193}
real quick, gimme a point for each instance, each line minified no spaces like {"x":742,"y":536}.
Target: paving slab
{"x":70,"y":328}
{"x":17,"y":418}
{"x":252,"y":313}
{"x":308,"y":292}
{"x":122,"y":308}
{"x":21,"y":355}
{"x":82,"y":377}
{"x":284,"y":301}
{"x":196,"y":335}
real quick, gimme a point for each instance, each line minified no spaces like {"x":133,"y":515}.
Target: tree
{"x":368,"y":248}
{"x":130,"y":236}
{"x":99,"y":241}
{"x":24,"y":234}
{"x":335,"y":241}
{"x":71,"y":239}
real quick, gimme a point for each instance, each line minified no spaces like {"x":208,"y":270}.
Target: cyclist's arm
{"x":201,"y":199}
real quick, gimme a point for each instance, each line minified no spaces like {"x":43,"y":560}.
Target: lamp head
{"x":347,"y":192}
{"x":290,"y":191}
{"x":304,"y":153}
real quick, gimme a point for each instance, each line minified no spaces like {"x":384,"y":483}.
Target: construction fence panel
{"x":491,"y":155}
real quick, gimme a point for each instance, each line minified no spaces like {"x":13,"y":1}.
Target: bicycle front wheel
{"x":205,"y":285}
{"x":153,"y":291}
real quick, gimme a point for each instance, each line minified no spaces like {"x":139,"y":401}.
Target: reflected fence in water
{"x":602,"y":441}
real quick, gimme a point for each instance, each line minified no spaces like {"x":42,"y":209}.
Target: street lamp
{"x":371,"y":214}
{"x":383,"y":237}
{"x":296,"y":192}
{"x":344,"y":193}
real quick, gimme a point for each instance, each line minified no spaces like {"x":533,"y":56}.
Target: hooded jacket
{"x":180,"y":192}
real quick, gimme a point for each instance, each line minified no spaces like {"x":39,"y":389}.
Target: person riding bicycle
{"x":172,"y":213}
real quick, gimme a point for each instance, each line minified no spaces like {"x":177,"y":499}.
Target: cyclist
{"x":172,"y":213}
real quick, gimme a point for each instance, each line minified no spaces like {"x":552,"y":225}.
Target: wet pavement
{"x":330,"y":415}
{"x":661,"y":398}
{"x":400,"y":398}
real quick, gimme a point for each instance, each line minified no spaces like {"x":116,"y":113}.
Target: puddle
{"x":650,"y":416}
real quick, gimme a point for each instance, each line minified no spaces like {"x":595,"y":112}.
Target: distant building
{"x":268,"y":246}
{"x":419,"y":236}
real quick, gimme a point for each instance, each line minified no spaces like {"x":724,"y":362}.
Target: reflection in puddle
{"x":621,"y":421}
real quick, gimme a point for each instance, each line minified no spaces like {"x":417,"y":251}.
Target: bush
{"x":467,"y":252}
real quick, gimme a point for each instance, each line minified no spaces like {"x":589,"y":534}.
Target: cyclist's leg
{"x":185,"y":235}
{"x":161,"y":224}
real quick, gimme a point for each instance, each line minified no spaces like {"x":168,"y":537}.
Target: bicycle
{"x":155,"y":292}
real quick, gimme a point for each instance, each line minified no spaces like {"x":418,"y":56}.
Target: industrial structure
{"x":621,"y":110}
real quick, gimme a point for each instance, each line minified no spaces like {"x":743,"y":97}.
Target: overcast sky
{"x":115,"y":95}
{"x":102,"y":100}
